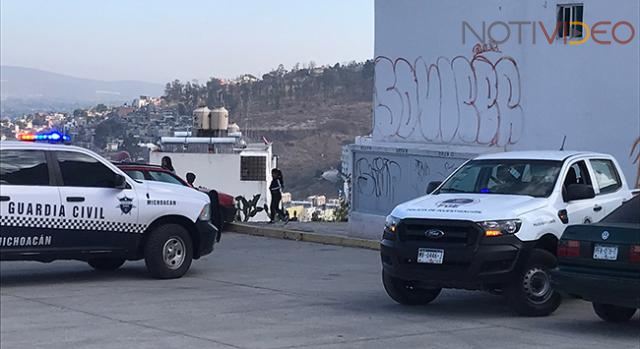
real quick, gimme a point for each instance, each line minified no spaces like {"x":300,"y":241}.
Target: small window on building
{"x":567,"y":17}
{"x":253,"y":168}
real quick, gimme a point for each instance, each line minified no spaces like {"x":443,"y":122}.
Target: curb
{"x":286,"y":234}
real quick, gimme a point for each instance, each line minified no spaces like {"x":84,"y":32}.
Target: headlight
{"x":499,"y":228}
{"x":205,"y":214}
{"x":391,"y":224}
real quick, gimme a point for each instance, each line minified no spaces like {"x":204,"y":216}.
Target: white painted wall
{"x":434,"y":94}
{"x":429,"y":89}
{"x":220,"y":172}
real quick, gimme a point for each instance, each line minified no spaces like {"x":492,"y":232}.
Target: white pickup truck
{"x":65,"y":202}
{"x":494,"y":225}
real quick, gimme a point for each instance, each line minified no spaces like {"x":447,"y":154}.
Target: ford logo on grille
{"x":434,"y":234}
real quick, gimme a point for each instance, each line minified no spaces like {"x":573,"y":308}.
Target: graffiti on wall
{"x":450,"y":101}
{"x":383,"y":180}
{"x":635,"y":151}
{"x":377,"y":177}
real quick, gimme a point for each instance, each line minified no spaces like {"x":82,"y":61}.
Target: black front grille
{"x":455,"y":232}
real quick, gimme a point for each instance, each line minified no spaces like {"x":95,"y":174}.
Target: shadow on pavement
{"x":67,"y":274}
{"x":593,"y":325}
{"x":481,"y":306}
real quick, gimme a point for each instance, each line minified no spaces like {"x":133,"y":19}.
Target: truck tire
{"x":531,"y":292}
{"x":404,"y":293}
{"x":168,"y":251}
{"x":613,"y":313}
{"x":106,"y":264}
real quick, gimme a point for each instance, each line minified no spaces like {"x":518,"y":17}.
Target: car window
{"x":81,"y":170}
{"x":139,"y":175}
{"x":510,"y":177}
{"x":465,"y":180}
{"x":606,"y":175}
{"x":577,"y":174}
{"x":627,"y":213}
{"x":163,"y":177}
{"x":23,"y":167}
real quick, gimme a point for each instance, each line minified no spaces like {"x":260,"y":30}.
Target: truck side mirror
{"x":433,"y":186}
{"x":579,"y":192}
{"x":119,"y":182}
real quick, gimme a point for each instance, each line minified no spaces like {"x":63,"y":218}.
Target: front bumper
{"x":208,"y":235}
{"x":228,"y":213}
{"x":605,"y":289}
{"x":485,"y":264}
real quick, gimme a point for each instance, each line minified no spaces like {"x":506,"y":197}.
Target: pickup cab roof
{"x":37,"y":145}
{"x":557,"y":155}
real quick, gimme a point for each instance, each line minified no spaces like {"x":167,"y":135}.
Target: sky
{"x":158,"y":41}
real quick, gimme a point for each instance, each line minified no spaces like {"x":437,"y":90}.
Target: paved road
{"x":256,"y":292}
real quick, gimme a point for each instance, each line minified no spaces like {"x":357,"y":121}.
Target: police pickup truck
{"x":494,"y":225}
{"x":65,"y":202}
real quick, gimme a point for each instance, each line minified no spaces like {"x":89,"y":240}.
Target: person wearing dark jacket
{"x":191,"y":178}
{"x":167,"y":164}
{"x":276,"y":186}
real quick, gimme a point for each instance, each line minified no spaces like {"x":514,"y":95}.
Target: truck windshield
{"x":512,"y":177}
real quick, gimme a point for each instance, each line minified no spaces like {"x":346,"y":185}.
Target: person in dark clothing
{"x":276,"y":186}
{"x":191,"y":177}
{"x":166,"y":164}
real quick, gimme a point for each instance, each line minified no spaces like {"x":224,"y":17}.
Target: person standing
{"x":191,"y":178}
{"x":167,"y":164}
{"x":276,"y":186}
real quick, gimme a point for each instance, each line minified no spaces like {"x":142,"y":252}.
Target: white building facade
{"x":243,"y":172}
{"x":457,"y":78}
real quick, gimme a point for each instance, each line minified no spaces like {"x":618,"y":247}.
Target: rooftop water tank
{"x":202,"y":116}
{"x":219,"y":119}
{"x":234,"y":128}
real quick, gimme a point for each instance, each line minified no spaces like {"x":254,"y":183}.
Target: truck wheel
{"x":531,"y":293}
{"x":405,"y":293}
{"x":106,"y":264}
{"x":168,"y":252}
{"x":613,"y":313}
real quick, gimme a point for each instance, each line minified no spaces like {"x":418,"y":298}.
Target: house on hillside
{"x":454,"y":79}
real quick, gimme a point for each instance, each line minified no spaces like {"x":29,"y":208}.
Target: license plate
{"x":430,"y":256}
{"x":608,"y":253}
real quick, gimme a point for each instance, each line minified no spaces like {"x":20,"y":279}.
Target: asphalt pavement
{"x":256,"y":292}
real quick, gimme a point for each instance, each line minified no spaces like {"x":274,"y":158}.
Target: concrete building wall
{"x":220,"y":172}
{"x":384,"y":177}
{"x":433,"y":88}
{"x":440,"y":97}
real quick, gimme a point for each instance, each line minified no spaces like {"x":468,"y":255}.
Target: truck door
{"x":101,"y":217}
{"x":29,"y":204}
{"x":609,"y":193}
{"x":580,"y":211}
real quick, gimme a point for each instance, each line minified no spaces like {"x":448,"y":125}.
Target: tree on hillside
{"x":79,"y":113}
{"x":340,"y":82}
{"x":174,"y":90}
{"x":106,"y":130}
{"x":100,"y":108}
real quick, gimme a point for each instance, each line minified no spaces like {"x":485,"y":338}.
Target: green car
{"x":600,"y":263}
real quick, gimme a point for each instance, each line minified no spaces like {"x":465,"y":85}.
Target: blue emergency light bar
{"x":51,"y":137}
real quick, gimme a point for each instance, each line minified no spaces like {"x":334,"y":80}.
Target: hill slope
{"x":35,"y":84}
{"x":309,"y":113}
